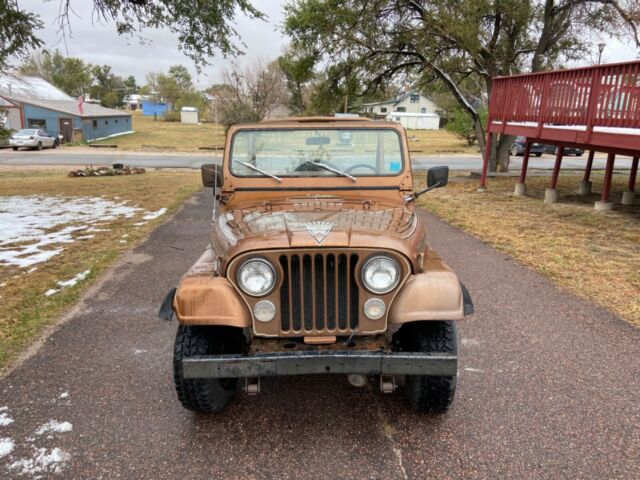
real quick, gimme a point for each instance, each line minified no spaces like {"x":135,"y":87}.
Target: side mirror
{"x":211,"y":175}
{"x":437,"y":177}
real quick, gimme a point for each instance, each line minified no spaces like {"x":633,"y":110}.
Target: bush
{"x":237,"y":112}
{"x":172,"y":116}
{"x":461,"y":124}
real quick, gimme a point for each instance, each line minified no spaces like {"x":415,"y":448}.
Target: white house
{"x":412,"y":109}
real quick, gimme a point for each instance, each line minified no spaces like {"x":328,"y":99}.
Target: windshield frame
{"x":314,"y":127}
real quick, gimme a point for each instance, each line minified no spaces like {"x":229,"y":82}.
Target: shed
{"x":189,"y":115}
{"x":150,"y":108}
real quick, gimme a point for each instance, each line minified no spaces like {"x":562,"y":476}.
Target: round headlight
{"x":256,"y":277}
{"x":380,"y":274}
{"x":374,"y":308}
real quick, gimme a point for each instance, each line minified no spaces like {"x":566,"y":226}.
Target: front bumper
{"x":314,"y":362}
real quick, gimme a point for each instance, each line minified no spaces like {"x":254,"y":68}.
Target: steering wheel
{"x":362,"y":165}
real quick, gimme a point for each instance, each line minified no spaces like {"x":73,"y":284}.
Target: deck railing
{"x":598,"y":96}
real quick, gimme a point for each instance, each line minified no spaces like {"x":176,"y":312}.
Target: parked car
{"x":318,"y":263}
{"x":553,"y":149}
{"x":32,"y":138}
{"x":518,"y":148}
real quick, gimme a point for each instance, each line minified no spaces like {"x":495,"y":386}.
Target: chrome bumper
{"x":308,"y":363}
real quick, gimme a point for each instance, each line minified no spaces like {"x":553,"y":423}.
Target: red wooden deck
{"x":596,"y":108}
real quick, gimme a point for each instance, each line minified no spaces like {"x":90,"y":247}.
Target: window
{"x":383,"y":110}
{"x":423,"y":110}
{"x":116,"y":121}
{"x":415,"y":98}
{"x":95,"y":124}
{"x":299,"y":152}
{"x":35,"y":123}
{"x":106,"y":122}
{"x":401,"y":109}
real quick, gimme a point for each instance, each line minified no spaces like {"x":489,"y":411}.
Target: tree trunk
{"x":480,"y":134}
{"x":503,"y":152}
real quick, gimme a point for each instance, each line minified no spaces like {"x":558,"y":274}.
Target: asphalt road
{"x":155,"y":160}
{"x":548,"y":388}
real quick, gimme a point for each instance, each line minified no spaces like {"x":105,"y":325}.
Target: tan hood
{"x":315,"y":223}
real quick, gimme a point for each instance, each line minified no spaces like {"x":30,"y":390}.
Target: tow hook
{"x":252,"y":386}
{"x":387,"y":383}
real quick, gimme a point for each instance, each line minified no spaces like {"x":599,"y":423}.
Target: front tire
{"x":429,"y":393}
{"x":205,"y":394}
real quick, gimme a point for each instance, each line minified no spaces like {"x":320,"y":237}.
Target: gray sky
{"x":98,"y":43}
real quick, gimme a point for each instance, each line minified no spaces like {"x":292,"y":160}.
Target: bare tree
{"x":255,"y":92}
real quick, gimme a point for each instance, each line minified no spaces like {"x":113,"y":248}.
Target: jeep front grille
{"x":319,"y":293}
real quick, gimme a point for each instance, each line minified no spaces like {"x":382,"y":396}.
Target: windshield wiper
{"x":259,"y":170}
{"x":334,"y":170}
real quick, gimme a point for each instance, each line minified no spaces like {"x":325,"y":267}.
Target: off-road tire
{"x":208,"y":394}
{"x":429,"y":393}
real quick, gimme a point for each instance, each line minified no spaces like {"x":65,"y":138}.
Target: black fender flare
{"x":166,"y":309}
{"x":469,"y":308}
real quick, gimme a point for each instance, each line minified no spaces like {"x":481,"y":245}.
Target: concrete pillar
{"x":551,"y":195}
{"x":584,"y":188}
{"x":520,"y":190}
{"x":628,"y":197}
{"x":603,"y":206}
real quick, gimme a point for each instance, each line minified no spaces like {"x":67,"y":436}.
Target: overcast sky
{"x":98,"y":43}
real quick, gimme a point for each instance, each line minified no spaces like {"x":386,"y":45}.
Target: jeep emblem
{"x":319,"y":230}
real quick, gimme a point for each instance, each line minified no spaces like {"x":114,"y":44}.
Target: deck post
{"x":584,"y":188}
{"x":604,"y":203}
{"x":485,"y":164}
{"x":551,"y":193}
{"x":629,"y":195}
{"x":521,"y":186}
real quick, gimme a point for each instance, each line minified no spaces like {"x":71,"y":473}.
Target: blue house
{"x":44,"y":106}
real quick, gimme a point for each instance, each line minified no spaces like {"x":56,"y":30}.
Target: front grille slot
{"x":319,"y":293}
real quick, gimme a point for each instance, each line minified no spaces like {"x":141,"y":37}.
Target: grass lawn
{"x":159,"y":135}
{"x":594,"y":255}
{"x":434,"y":142}
{"x":25,"y":310}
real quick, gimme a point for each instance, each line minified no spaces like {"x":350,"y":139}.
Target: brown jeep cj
{"x":318,"y":264}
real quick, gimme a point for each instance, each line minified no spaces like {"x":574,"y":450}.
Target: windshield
{"x":335,"y":152}
{"x":27,"y":132}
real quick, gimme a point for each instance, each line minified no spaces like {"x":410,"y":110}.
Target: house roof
{"x":6,"y":103}
{"x":24,"y":87}
{"x":40,"y":93}
{"x":90,"y":110}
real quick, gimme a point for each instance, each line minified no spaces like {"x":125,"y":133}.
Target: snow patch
{"x":139,"y":351}
{"x":469,"y":369}
{"x":42,"y":462}
{"x":6,"y":446}
{"x":470,"y":342}
{"x":64,"y":394}
{"x":43,"y":225}
{"x":152,"y":215}
{"x":54,"y":426}
{"x":5,"y":419}
{"x":68,"y":283}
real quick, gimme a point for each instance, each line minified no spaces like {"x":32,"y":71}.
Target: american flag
{"x":81,"y":104}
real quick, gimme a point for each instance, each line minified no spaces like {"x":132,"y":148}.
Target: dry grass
{"x":169,"y":136}
{"x":433,"y":142}
{"x":24,"y":309}
{"x":174,"y":136}
{"x":594,"y":255}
